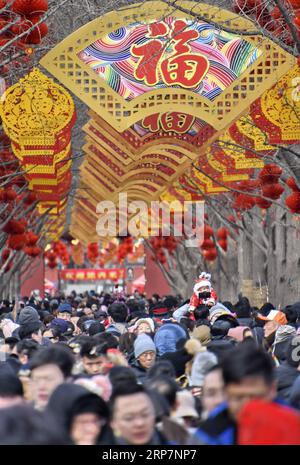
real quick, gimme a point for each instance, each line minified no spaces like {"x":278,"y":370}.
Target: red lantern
{"x":276,"y":13}
{"x":295,"y":4}
{"x":50,"y":255}
{"x":222,"y":233}
{"x":210,"y":255}
{"x":208,"y":231}
{"x":15,"y":227}
{"x":36,"y":35}
{"x":272,"y":191}
{"x":30,"y":198}
{"x":17,"y":241}
{"x":30,"y":7}
{"x":157,"y":242}
{"x":291,"y":182}
{"x":21,"y":26}
{"x":10,"y":195}
{"x":31,"y":239}
{"x":161,"y":257}
{"x":293,"y":202}
{"x":243,"y":202}
{"x":270,"y":174}
{"x":52,"y":264}
{"x":223,"y":243}
{"x":207,"y":244}
{"x":32,"y":251}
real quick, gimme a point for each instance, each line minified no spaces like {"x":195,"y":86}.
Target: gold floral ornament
{"x":36,"y":111}
{"x":281,"y":108}
{"x":38,"y":116}
{"x":246,"y":126}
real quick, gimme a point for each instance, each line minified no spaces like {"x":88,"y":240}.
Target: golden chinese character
{"x":91,"y":275}
{"x":80,"y":275}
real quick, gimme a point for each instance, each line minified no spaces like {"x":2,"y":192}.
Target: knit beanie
{"x":143,"y":343}
{"x":28,"y":315}
{"x":149,"y":322}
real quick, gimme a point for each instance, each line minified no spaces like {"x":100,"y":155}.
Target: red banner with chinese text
{"x":92,"y":274}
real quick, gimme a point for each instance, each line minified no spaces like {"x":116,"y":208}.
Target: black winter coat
{"x":285,"y":375}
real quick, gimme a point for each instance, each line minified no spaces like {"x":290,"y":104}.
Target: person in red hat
{"x":203,"y":292}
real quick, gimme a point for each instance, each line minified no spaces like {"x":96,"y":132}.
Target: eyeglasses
{"x":148,"y":355}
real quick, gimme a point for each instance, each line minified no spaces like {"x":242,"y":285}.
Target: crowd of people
{"x":117,"y":369}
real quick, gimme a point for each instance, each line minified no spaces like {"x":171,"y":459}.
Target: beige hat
{"x":186,"y":405}
{"x":202,"y":333}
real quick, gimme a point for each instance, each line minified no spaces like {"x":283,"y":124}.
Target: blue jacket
{"x":219,"y":429}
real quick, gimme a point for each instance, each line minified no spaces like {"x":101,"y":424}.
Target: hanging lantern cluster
{"x":125,"y":248}
{"x":271,"y":18}
{"x":265,"y":187}
{"x":161,"y":243}
{"x":19,"y":238}
{"x":31,"y":249}
{"x":92,"y":252}
{"x":208,"y":246}
{"x":269,"y":183}
{"x":21,"y":30}
{"x":19,"y":17}
{"x":245,"y":201}
{"x":58,"y":252}
{"x":222,"y":235}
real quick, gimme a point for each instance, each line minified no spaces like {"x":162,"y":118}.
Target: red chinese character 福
{"x":169,"y":121}
{"x":181,"y":67}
